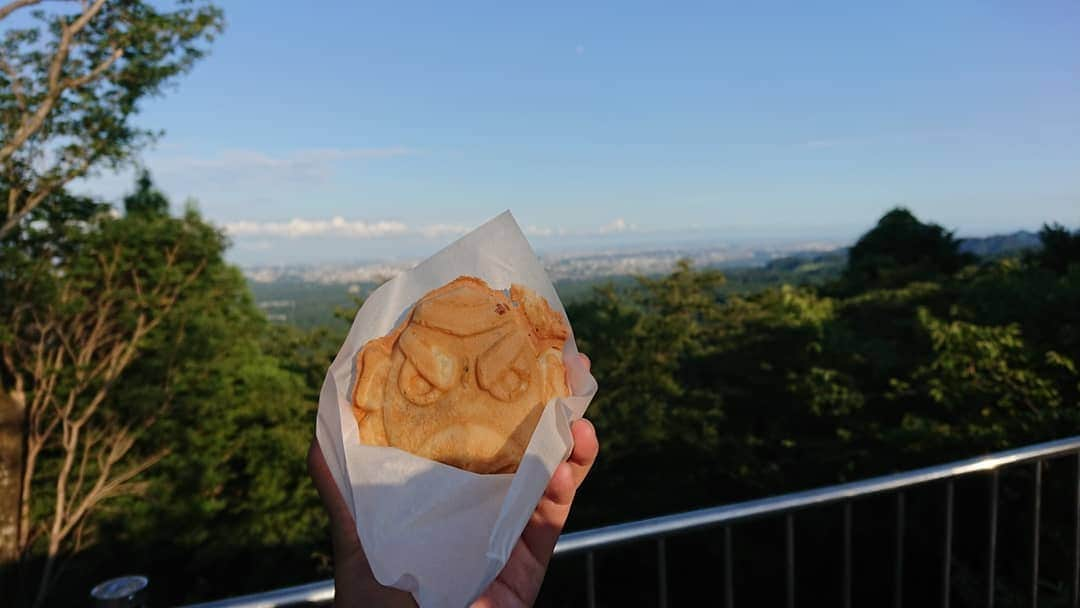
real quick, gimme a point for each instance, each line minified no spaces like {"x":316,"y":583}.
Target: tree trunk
{"x":46,"y":575}
{"x":12,"y":455}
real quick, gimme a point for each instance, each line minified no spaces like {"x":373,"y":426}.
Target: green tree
{"x":72,"y":76}
{"x":71,"y":83}
{"x":146,"y":199}
{"x":169,"y":429}
{"x":983,"y":388}
{"x":230,"y":503}
{"x":86,"y":291}
{"x":1060,"y":249}
{"x":901,"y":249}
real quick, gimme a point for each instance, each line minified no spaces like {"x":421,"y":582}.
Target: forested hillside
{"x":915,"y":353}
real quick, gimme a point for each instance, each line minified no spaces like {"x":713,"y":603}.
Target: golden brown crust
{"x":548,"y":326}
{"x":463,"y":380}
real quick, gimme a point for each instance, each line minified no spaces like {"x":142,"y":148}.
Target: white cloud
{"x":358,"y":229}
{"x":618,"y":225}
{"x":538,"y":231}
{"x":336,"y":226}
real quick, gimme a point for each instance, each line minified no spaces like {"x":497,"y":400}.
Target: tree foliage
{"x":901,"y":249}
{"x":916,"y":356}
{"x":162,"y":405}
{"x":71,"y":80}
{"x":86,"y":291}
{"x":1060,"y":249}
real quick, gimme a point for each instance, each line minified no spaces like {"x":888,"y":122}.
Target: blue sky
{"x":619,"y":122}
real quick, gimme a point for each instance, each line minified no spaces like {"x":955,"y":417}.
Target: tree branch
{"x":16,"y":83}
{"x":106,"y":487}
{"x":12,"y":202}
{"x":86,"y":16}
{"x":48,"y":187}
{"x":56,"y":87}
{"x":14,"y":6}
{"x":96,"y":73}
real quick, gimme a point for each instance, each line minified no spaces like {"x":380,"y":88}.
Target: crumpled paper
{"x":438,"y":532}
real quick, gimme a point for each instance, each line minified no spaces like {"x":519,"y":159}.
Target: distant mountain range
{"x":590,"y":265}
{"x":1000,"y":244}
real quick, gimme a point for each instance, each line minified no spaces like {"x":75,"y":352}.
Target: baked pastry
{"x":464,"y":379}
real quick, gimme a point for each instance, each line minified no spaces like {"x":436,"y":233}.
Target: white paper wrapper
{"x":438,"y":532}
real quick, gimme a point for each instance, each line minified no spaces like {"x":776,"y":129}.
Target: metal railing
{"x":786,"y":506}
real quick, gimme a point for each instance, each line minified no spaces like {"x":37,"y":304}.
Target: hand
{"x":519,"y":581}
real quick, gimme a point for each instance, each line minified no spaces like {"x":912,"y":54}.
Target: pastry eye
{"x":428,"y":350}
{"x":415,"y":387}
{"x":554,"y":374}
{"x":505,"y":369}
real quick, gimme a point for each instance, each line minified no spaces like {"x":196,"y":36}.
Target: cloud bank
{"x":338,"y":226}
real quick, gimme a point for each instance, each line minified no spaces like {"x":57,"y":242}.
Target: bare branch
{"x":96,"y":73}
{"x":16,"y":83}
{"x":80,"y":535}
{"x":86,"y":16}
{"x":109,"y":487}
{"x":11,"y":7}
{"x":32,"y":124}
{"x":12,"y":202}
{"x":46,"y":188}
{"x":90,"y":441}
{"x":121,"y":484}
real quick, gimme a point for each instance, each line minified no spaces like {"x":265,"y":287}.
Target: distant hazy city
{"x":309,"y":294}
{"x":560,"y":266}
{"x":583,"y":265}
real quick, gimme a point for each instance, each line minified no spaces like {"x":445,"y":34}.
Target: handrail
{"x":712,"y":516}
{"x":313,"y":593}
{"x":587,"y":540}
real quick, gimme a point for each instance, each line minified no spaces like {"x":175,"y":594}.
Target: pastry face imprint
{"x":464,"y":379}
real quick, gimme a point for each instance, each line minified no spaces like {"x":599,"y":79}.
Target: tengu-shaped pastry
{"x":465,"y":378}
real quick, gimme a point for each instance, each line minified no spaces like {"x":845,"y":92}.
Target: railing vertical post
{"x":729,"y":580}
{"x":991,"y":552}
{"x":789,"y":537}
{"x":661,"y":571}
{"x":847,"y":554}
{"x":898,"y":572}
{"x":1076,"y":541}
{"x":946,"y":562}
{"x":1036,"y":505}
{"x":590,"y":580}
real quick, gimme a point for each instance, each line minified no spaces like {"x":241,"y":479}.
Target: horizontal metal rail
{"x":785,"y":504}
{"x":776,"y":505}
{"x":312,"y":593}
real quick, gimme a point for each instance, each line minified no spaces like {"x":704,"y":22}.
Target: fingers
{"x":548,"y":519}
{"x":561,"y":488}
{"x":568,"y":475}
{"x":586,"y":448}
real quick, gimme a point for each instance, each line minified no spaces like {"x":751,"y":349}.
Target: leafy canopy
{"x":71,"y":82}
{"x":901,"y":249}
